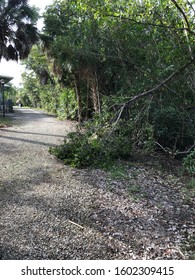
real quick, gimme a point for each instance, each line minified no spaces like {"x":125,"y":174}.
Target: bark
{"x":91,"y":78}
{"x":94,"y":88}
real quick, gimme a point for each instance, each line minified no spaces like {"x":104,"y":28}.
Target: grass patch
{"x":190,"y":247}
{"x":191,"y":184}
{"x":117,"y":171}
{"x":135,"y":192}
{"x":188,"y":191}
{"x":120,"y":170}
{"x":5,"y":122}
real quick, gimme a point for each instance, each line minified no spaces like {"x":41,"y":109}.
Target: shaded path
{"x":32,"y":132}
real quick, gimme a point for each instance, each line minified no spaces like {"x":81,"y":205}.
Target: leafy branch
{"x":183,"y":13}
{"x":152,"y":24}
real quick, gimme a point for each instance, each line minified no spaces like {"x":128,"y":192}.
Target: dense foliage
{"x":125,"y":67}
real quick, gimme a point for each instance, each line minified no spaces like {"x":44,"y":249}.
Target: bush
{"x":172,"y":128}
{"x":89,"y":149}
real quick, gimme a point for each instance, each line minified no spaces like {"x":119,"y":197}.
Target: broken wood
{"x":76,"y":224}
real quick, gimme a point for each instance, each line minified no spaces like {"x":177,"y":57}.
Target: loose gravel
{"x":51,"y":211}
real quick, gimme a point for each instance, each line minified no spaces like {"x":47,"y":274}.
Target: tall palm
{"x":17,"y":29}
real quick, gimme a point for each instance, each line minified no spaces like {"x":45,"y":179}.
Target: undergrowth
{"x":189,"y":163}
{"x":94,"y":149}
{"x":79,"y":150}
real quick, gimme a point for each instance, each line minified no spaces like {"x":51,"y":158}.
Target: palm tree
{"x":17,"y":29}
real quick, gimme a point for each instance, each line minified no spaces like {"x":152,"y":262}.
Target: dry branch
{"x":79,"y":226}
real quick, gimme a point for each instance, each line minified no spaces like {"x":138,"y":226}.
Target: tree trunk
{"x":94,"y":88}
{"x":78,"y":95}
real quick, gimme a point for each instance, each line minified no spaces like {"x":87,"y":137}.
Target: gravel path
{"x":50,"y":211}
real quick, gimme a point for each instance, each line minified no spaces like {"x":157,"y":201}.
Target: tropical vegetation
{"x":124,"y":70}
{"x":18,"y":30}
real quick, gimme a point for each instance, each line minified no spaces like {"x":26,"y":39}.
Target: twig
{"x":179,"y":252}
{"x":116,"y":122}
{"x":79,"y":226}
{"x":183,"y":13}
{"x":166,"y":150}
{"x":151,"y":24}
{"x":161,"y":147}
{"x":186,"y":152}
{"x":191,"y":6}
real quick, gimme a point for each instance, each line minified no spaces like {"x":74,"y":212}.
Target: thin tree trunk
{"x":93,"y":81}
{"x":78,"y":95}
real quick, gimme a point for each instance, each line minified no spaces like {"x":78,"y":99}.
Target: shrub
{"x":172,"y":128}
{"x":89,"y":149}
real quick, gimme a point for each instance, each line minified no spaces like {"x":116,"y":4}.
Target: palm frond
{"x":17,"y":29}
{"x":16,"y":3}
{"x":12,"y":53}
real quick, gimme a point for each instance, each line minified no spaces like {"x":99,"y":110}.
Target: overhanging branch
{"x":152,"y":24}
{"x":157,"y":87}
{"x":183,"y":13}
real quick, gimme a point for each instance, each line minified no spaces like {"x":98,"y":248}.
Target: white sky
{"x":12,"y":68}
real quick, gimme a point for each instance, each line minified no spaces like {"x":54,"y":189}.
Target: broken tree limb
{"x":151,"y":91}
{"x":163,"y":83}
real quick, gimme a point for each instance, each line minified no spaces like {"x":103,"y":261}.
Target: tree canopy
{"x":18,"y":30}
{"x":126,"y":66}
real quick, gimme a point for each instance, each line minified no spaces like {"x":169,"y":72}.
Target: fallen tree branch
{"x":172,"y":152}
